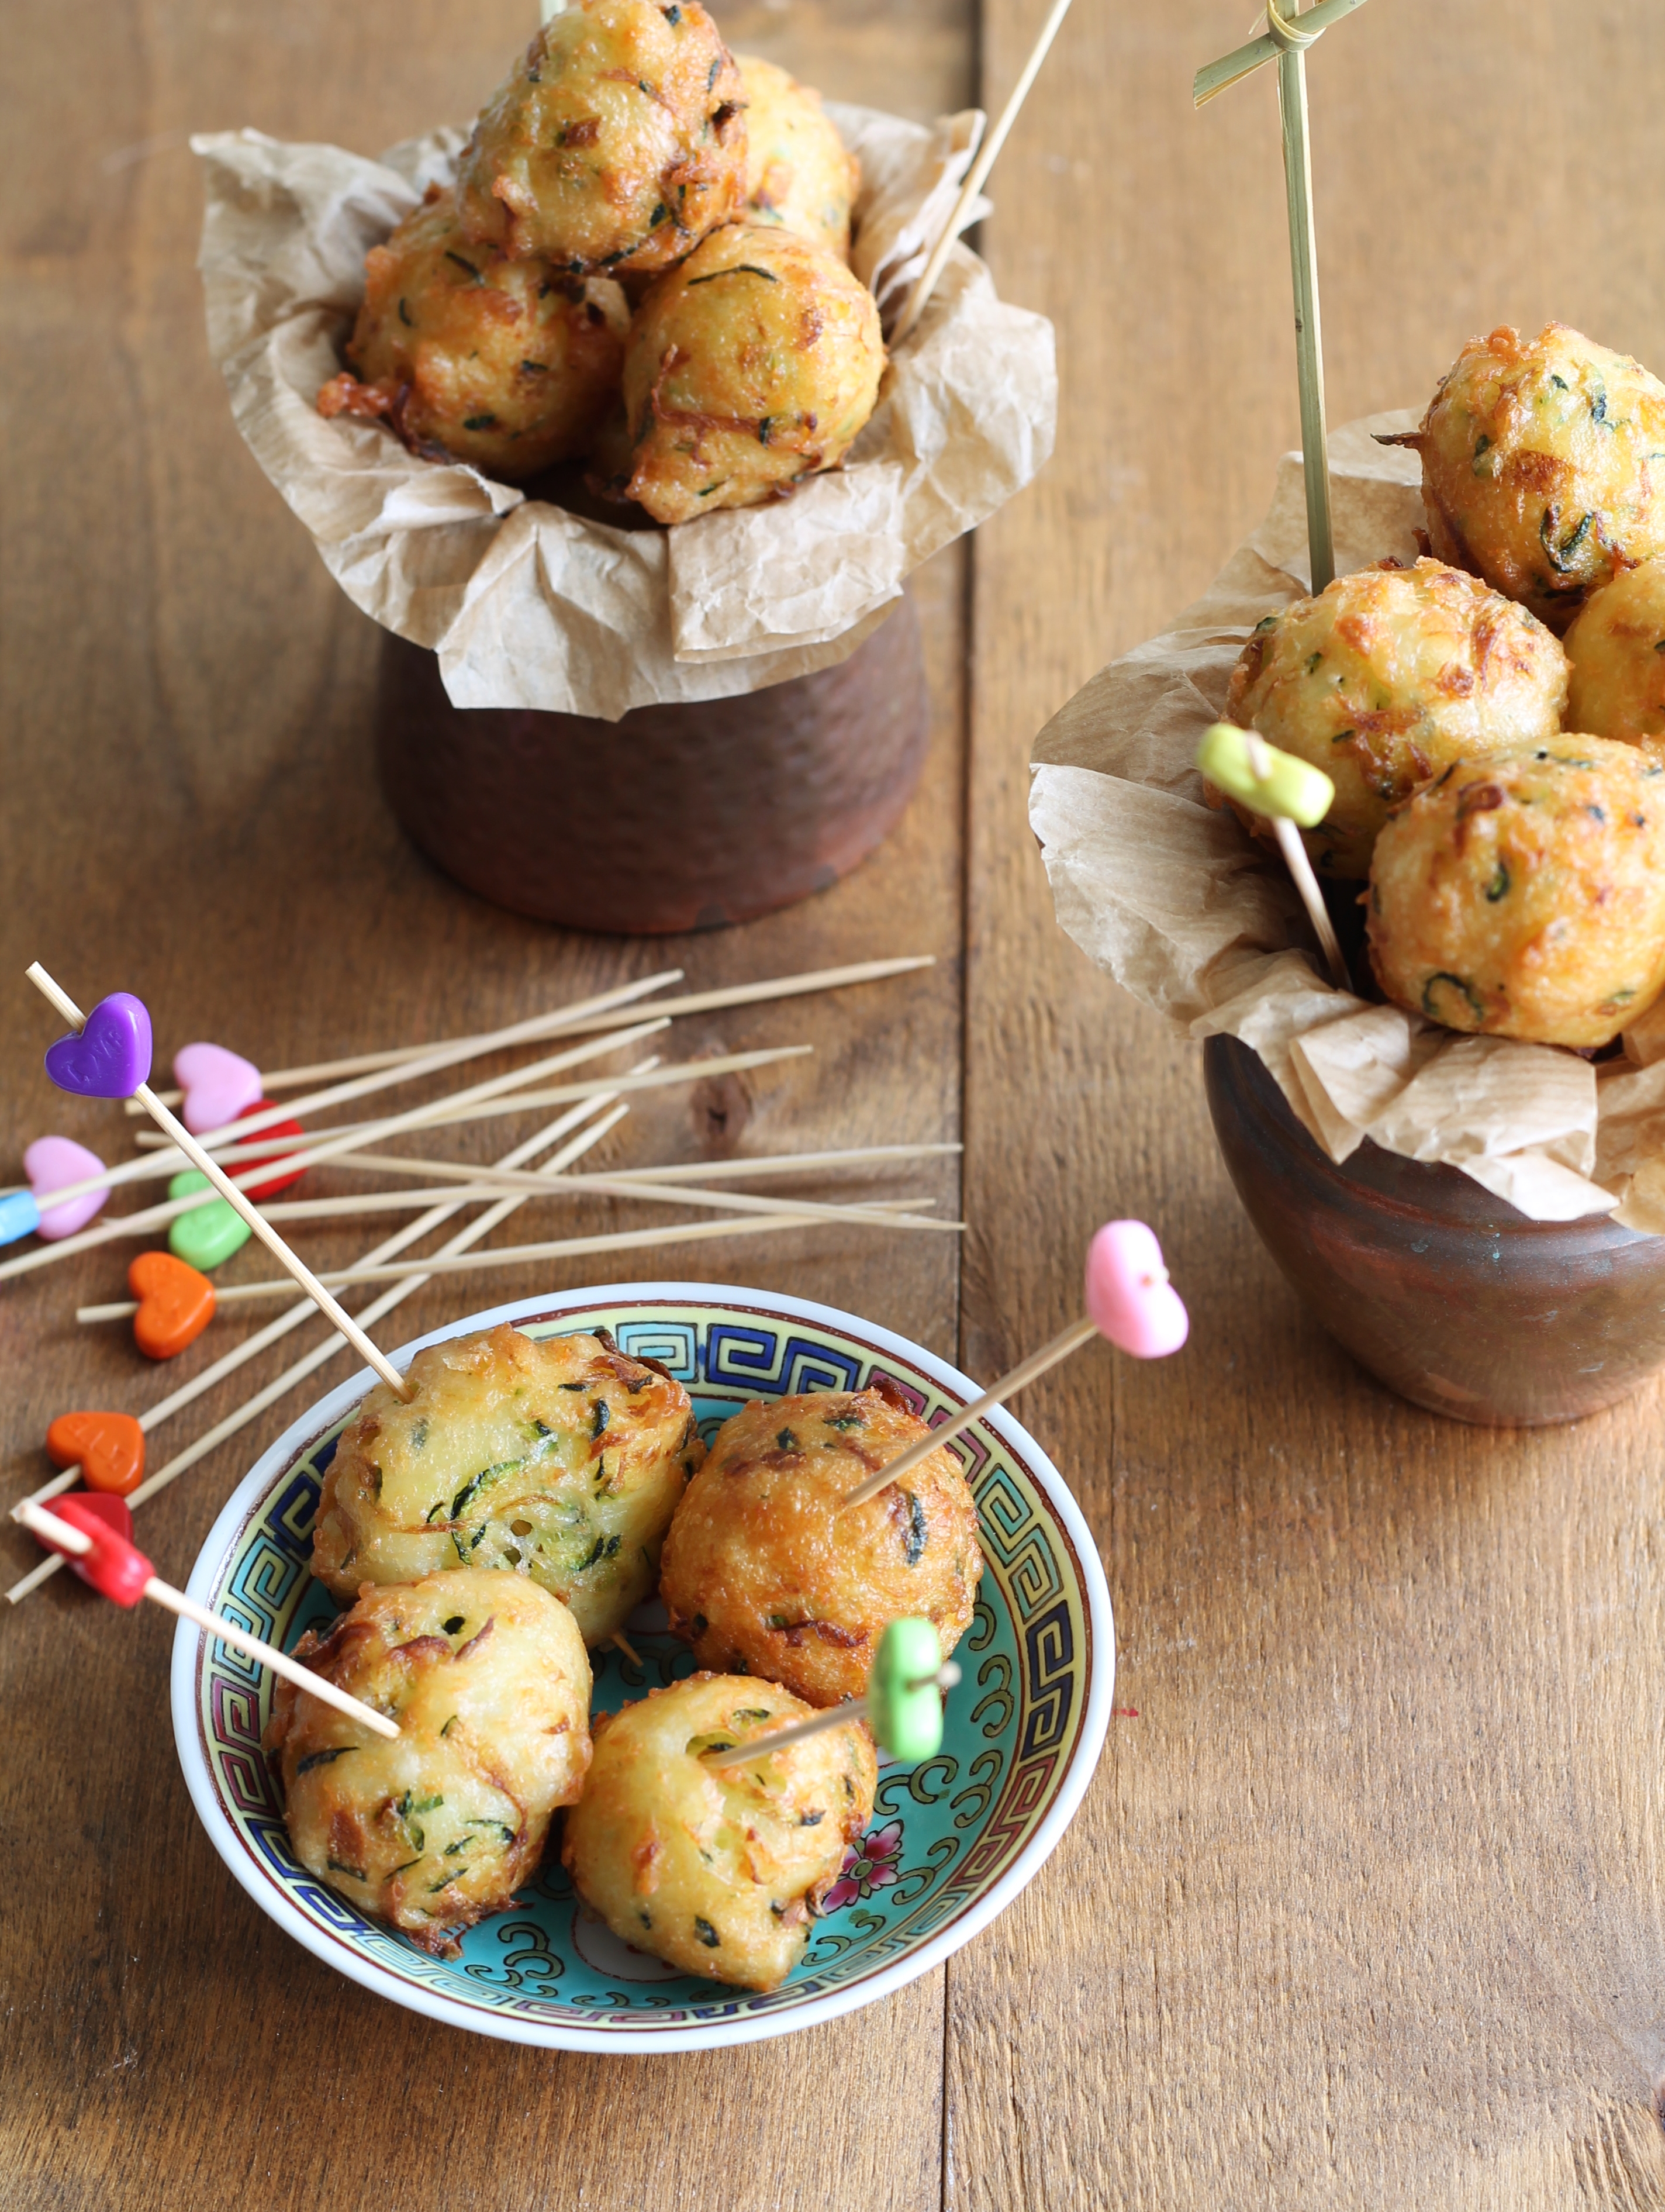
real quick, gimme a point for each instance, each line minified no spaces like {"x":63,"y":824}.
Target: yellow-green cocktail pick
{"x":1287,"y":791}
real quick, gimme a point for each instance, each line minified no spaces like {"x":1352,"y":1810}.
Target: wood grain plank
{"x":189,"y":811}
{"x":1364,"y":1905}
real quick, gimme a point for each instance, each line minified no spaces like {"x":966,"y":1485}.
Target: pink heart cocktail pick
{"x":218,"y":1086}
{"x":111,"y":1057}
{"x":1129,"y":1297}
{"x":1130,"y":1300}
{"x":50,"y":1163}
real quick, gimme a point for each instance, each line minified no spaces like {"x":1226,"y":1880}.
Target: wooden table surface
{"x":1363,"y":1907}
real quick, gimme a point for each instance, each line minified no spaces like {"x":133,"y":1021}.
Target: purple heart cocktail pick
{"x":1130,"y":1301}
{"x":110,"y":1058}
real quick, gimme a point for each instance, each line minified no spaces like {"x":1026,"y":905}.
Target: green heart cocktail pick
{"x":902,"y":1704}
{"x":207,"y":1234}
{"x":1285,"y":791}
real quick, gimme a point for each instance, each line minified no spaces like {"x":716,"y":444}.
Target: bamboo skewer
{"x":975,"y":177}
{"x":696,"y":1002}
{"x":206,"y":1164}
{"x":1286,"y":40}
{"x":377,"y":1310}
{"x":42,"y":1524}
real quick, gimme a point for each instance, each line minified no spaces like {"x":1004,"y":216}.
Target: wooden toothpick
{"x":1286,"y":40}
{"x":977,"y":176}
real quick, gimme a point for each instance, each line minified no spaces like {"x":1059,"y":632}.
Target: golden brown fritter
{"x":1386,"y":677}
{"x":1617,"y":649}
{"x":617,"y":142}
{"x":748,"y":368}
{"x":1522,"y":895}
{"x":504,"y":363}
{"x":717,"y":1870}
{"x":761,"y":1573}
{"x":562,"y":1459}
{"x":797,"y":174}
{"x":487,"y":1676}
{"x":1543,"y":467}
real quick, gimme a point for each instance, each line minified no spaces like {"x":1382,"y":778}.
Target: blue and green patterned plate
{"x":952,"y":1842}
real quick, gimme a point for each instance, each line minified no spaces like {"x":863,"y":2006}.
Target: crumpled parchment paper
{"x":1199,"y":920}
{"x":527,"y":605}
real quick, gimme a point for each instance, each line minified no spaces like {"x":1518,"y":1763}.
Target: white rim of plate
{"x":189,"y":1643}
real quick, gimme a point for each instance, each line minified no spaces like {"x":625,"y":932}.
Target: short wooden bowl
{"x":952,"y":1841}
{"x":673,"y":819}
{"x":1445,"y":1293}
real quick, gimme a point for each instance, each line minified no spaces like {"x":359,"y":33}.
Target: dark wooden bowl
{"x":675,"y":817}
{"x":1446,"y":1293}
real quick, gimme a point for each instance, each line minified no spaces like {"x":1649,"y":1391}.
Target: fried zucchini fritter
{"x":750,"y":367}
{"x":562,"y":1459}
{"x":464,"y":352}
{"x":717,"y":1870}
{"x":1384,"y":678}
{"x":797,"y":172}
{"x":617,"y":144}
{"x":761,"y":1572}
{"x":1543,"y":467}
{"x":489,"y":1681}
{"x":1522,"y":895}
{"x":1617,"y":649}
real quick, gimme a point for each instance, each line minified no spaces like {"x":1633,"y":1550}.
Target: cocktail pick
{"x":902,"y":1704}
{"x":1287,"y":791}
{"x":1129,"y":1300}
{"x":117,"y":1570}
{"x":109,"y":1057}
{"x":583,"y":1016}
{"x":216,"y":1086}
{"x":1286,"y":37}
{"x":977,"y":176}
{"x":107,"y":1450}
{"x":54,"y":1164}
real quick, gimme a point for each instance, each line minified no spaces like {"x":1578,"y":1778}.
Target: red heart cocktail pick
{"x":1129,"y":1300}
{"x":103,"y":1556}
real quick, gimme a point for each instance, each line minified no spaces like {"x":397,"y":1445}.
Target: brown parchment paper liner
{"x":1199,"y":920}
{"x":528,"y":605}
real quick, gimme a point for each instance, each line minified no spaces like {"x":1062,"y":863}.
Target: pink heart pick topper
{"x":50,"y":1163}
{"x":1129,"y":1297}
{"x":111,"y":1057}
{"x":218,"y":1086}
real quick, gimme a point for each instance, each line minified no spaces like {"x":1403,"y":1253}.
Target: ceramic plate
{"x":952,"y":1842}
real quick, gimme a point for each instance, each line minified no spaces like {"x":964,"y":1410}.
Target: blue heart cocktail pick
{"x":111,"y":1057}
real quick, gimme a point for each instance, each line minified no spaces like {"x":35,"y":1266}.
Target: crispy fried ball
{"x":1385,"y":677}
{"x":1523,"y":894}
{"x":764,"y":1575}
{"x":1543,"y":467}
{"x":617,"y":142}
{"x":562,"y":1459}
{"x":748,"y":368}
{"x":488,"y":1679}
{"x":1617,"y":649}
{"x":462,"y":351}
{"x":716,"y":1869}
{"x":797,"y":174}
